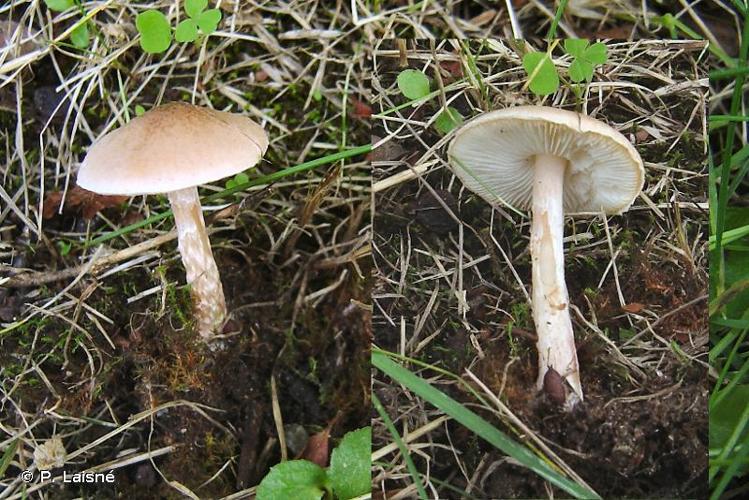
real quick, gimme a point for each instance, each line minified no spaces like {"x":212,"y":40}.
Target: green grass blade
{"x":736,"y":99}
{"x":401,"y":446}
{"x":735,"y":462}
{"x":728,"y":73}
{"x":727,"y":236}
{"x":478,"y":425}
{"x":555,"y":22}
{"x":10,"y":451}
{"x":727,"y":118}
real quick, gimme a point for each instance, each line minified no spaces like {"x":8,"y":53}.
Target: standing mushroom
{"x":551,"y":161}
{"x":172,"y":149}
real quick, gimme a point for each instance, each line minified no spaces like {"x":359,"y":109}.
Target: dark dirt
{"x":634,"y":436}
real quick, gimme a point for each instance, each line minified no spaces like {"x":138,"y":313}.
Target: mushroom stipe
{"x":550,"y":161}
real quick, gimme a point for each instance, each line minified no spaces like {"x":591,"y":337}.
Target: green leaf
{"x":139,"y":110}
{"x":413,"y":84}
{"x":736,"y":262}
{"x":59,"y":5}
{"x":575,"y":46}
{"x":726,"y":418}
{"x":195,"y":7}
{"x":238,"y":180}
{"x":208,"y":21}
{"x":596,"y":53}
{"x":350,"y":464}
{"x":580,"y":70}
{"x":10,"y":451}
{"x":298,"y":479}
{"x":449,"y":119}
{"x":544,"y":79}
{"x":155,"y":32}
{"x":187,"y":31}
{"x":65,"y":247}
{"x":79,"y":37}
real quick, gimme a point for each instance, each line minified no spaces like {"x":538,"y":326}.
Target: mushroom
{"x":172,"y":149}
{"x":551,"y":161}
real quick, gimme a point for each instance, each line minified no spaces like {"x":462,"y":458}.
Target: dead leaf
{"x":362,"y":111}
{"x":453,"y":68}
{"x":388,"y":151}
{"x":317,"y":449}
{"x":78,"y":199}
{"x":633,"y":307}
{"x":131,"y":217}
{"x":486,"y":16}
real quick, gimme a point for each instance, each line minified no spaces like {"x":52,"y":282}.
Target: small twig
{"x":35,"y":279}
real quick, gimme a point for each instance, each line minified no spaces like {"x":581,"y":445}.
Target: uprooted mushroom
{"x":554,"y":162}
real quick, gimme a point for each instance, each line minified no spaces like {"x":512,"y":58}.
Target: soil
{"x":640,"y":432}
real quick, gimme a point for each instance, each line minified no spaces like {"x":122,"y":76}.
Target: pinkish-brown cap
{"x":172,"y":147}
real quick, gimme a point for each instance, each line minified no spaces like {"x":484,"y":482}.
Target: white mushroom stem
{"x":202,"y":274}
{"x":556,"y":341}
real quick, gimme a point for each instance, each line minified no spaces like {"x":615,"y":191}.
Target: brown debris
{"x":361,"y":110}
{"x":317,"y":449}
{"x":78,"y":199}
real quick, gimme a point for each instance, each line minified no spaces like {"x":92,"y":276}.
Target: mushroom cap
{"x":172,"y":147}
{"x":493,"y":155}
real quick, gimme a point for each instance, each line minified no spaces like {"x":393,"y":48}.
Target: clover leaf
{"x":80,"y":37}
{"x":413,"y":84}
{"x":208,"y":21}
{"x":59,"y":5}
{"x":193,"y":8}
{"x":238,"y":180}
{"x":542,"y":73}
{"x":200,"y":20}
{"x":187,"y":31}
{"x":447,"y":120}
{"x":155,"y":32}
{"x":584,"y":58}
